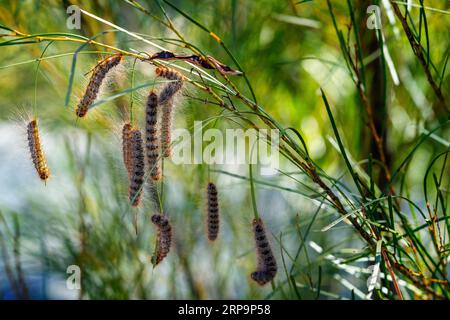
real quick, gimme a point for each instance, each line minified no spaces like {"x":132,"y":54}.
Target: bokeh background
{"x":289,"y":50}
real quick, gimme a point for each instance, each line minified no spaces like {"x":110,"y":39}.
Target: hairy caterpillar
{"x":126,"y":147}
{"x":267,"y":265}
{"x":213,"y":212}
{"x":166,"y":101}
{"x":137,"y":168}
{"x":175,"y":84}
{"x":151,"y":136}
{"x":164,"y":237}
{"x":98,"y":74}
{"x":37,"y":154}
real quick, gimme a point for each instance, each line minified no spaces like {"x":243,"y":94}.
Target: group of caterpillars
{"x":139,"y":156}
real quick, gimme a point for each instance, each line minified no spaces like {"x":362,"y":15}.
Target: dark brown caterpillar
{"x":98,"y":75}
{"x":213,"y":212}
{"x":126,"y":147}
{"x":151,"y":136}
{"x":172,"y":87}
{"x":37,"y":154}
{"x":267,"y":265}
{"x":166,"y":101}
{"x":163,"y":239}
{"x":137,"y":168}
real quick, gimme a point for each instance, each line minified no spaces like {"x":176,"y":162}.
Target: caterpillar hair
{"x":213,"y":212}
{"x":267,"y":265}
{"x":92,"y":89}
{"x":166,"y":101}
{"x":137,"y":168}
{"x":126,"y":147}
{"x":151,"y":136}
{"x":163,"y":238}
{"x":37,"y":154}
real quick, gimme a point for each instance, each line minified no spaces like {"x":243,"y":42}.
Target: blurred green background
{"x":288,"y":49}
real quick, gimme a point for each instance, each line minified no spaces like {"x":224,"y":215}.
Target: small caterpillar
{"x":166,"y":128}
{"x":98,"y":75}
{"x":166,"y":101}
{"x":151,"y":136}
{"x":37,"y":154}
{"x":175,"y":84}
{"x":267,"y":265}
{"x":164,"y":237}
{"x":137,"y":168}
{"x":213,"y":212}
{"x":126,"y":147}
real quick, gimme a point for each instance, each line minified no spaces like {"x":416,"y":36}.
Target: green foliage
{"x":364,"y":177}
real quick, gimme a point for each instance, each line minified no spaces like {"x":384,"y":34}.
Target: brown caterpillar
{"x":37,"y":154}
{"x":163,"y":239}
{"x":151,"y":136}
{"x":166,"y":128}
{"x":126,"y":147}
{"x":98,"y":75}
{"x":213,"y":212}
{"x":175,"y":84}
{"x":137,"y":168}
{"x":267,"y":265}
{"x":166,"y":101}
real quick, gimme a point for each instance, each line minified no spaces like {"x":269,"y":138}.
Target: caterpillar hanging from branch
{"x":137,"y":168}
{"x":151,"y":136}
{"x":36,"y":151}
{"x":98,"y":75}
{"x":165,"y":100}
{"x":163,"y":238}
{"x":212,"y":218}
{"x":267,"y":265}
{"x":126,"y":147}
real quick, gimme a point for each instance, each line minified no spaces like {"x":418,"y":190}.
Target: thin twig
{"x":418,"y":51}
